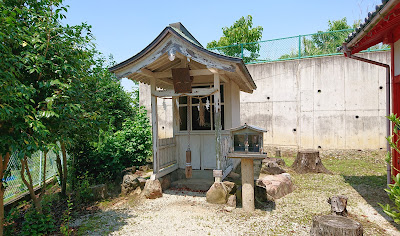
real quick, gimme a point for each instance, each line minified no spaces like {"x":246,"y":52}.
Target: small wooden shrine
{"x":247,"y":139}
{"x":247,"y":145}
{"x":204,"y":90}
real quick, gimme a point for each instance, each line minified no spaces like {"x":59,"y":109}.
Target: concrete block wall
{"x":327,"y":102}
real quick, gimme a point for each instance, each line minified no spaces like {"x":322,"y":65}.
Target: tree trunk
{"x":29,"y":185}
{"x":335,"y":225}
{"x":3,"y":168}
{"x":59,"y":168}
{"x":64,"y":177}
{"x":308,"y":161}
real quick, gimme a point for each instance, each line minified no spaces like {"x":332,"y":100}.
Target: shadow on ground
{"x":101,"y":223}
{"x":260,"y":203}
{"x":371,"y":188}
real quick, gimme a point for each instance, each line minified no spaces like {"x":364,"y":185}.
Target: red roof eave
{"x":385,"y":31}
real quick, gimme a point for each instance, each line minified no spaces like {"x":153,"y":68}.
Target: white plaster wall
{"x":296,"y":114}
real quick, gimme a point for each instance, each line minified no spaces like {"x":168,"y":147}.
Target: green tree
{"x":238,"y":40}
{"x":40,"y":60}
{"x":327,"y":43}
{"x":323,"y":42}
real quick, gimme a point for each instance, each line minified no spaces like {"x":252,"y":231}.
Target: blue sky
{"x":123,"y":28}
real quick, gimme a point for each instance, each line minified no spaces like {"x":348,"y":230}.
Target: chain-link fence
{"x":14,"y":185}
{"x":295,"y":47}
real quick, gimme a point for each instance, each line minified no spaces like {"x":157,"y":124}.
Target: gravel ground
{"x":359,"y":176}
{"x":188,"y":213}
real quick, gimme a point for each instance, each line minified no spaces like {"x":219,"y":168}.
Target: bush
{"x":9,"y":222}
{"x":38,"y":224}
{"x":394,"y":189}
{"x":104,"y":161}
{"x":394,"y":195}
{"x":64,"y":228}
{"x":83,"y":192}
{"x":131,"y":145}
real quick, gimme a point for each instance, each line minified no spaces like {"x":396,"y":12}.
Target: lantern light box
{"x":247,"y":139}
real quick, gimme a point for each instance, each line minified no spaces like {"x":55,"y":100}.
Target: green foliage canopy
{"x":40,"y":60}
{"x":237,"y":37}
{"x":129,"y":146}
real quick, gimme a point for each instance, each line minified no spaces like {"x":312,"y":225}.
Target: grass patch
{"x":102,"y":224}
{"x":361,"y":178}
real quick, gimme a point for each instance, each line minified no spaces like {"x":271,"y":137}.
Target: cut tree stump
{"x":338,"y":205}
{"x":308,"y":161}
{"x":335,"y":225}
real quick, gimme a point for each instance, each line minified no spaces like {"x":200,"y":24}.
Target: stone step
{"x":193,"y":184}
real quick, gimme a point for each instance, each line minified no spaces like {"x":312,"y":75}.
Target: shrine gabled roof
{"x":176,"y":39}
{"x":354,"y":40}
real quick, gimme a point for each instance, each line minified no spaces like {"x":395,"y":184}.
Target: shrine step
{"x":193,"y":184}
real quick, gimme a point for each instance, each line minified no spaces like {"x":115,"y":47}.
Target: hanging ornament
{"x":202,"y":120}
{"x":208,"y":105}
{"x":176,"y":113}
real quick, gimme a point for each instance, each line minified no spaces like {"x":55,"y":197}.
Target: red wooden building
{"x":381,"y":26}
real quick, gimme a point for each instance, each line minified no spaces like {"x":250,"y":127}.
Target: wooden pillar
{"x":217,"y":122}
{"x":154,"y":125}
{"x":247,"y":184}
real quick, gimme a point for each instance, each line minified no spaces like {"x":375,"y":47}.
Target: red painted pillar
{"x":395,"y":109}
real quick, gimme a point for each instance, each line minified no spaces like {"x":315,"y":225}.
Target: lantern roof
{"x":250,"y":127}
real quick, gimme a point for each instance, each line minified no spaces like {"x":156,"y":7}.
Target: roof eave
{"x":375,"y":20}
{"x":249,"y":81}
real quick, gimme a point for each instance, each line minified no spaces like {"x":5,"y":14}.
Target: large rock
{"x":276,"y":186}
{"x":165,"y":182}
{"x":142,"y":182}
{"x":129,"y":183}
{"x":231,"y":201}
{"x":272,"y":166}
{"x":99,"y":191}
{"x":129,"y":170}
{"x":152,"y":189}
{"x":234,"y":175}
{"x":230,"y":187}
{"x":217,"y":194}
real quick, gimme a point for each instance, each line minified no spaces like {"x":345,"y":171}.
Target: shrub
{"x":64,"y":228}
{"x":131,"y":145}
{"x":394,"y":189}
{"x":9,"y":222}
{"x":104,"y":161}
{"x":394,"y":195}
{"x":37,"y":223}
{"x":83,"y":192}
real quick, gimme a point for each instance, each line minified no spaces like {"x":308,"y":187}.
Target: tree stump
{"x":308,"y":161}
{"x":335,"y":225}
{"x":338,"y":205}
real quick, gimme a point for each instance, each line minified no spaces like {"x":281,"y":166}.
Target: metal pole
{"x":241,"y":48}
{"x":388,"y":124}
{"x":299,"y":46}
{"x":40,"y":168}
